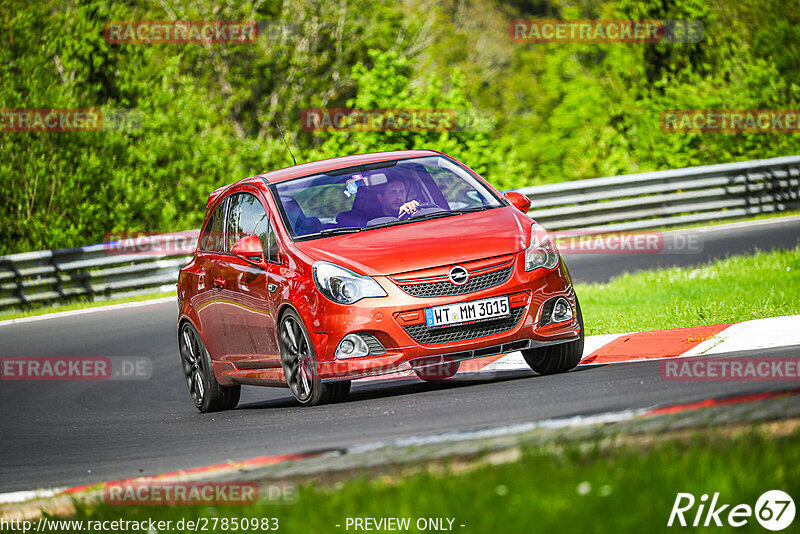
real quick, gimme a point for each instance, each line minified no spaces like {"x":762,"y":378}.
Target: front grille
{"x":449,"y":289}
{"x":433,"y":336}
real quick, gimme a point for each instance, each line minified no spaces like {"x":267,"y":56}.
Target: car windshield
{"x":373,"y":195}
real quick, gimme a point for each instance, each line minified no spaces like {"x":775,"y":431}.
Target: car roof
{"x":321,"y":166}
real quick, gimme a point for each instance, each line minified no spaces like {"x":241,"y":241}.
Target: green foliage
{"x":205,"y":113}
{"x":387,"y":85}
{"x":70,"y":189}
{"x":586,"y":110}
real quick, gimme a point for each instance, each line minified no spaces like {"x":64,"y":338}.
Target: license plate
{"x":465,"y":312}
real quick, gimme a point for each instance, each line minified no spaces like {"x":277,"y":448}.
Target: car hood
{"x":419,"y":245}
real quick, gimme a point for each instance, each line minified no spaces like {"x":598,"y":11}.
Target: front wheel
{"x":300,"y":366}
{"x":557,"y":358}
{"x":207,"y":394}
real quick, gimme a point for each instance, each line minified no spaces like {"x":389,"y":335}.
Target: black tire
{"x":206,"y":393}
{"x":300,"y":365}
{"x":438,"y":372}
{"x":337,"y":391}
{"x":557,"y":358}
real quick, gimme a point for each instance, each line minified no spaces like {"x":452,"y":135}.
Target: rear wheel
{"x":300,"y":366}
{"x":207,"y":394}
{"x":557,"y":358}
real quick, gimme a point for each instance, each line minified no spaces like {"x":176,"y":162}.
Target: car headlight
{"x":542,"y":251}
{"x":343,"y":285}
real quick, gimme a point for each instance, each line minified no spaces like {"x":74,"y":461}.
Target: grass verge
{"x":585,"y":487}
{"x":739,"y":288}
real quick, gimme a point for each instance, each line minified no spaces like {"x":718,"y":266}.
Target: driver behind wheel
{"x":392,"y":199}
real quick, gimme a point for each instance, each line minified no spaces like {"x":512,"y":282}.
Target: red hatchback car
{"x":318,"y":274}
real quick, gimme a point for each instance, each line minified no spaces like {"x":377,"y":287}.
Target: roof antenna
{"x":285,"y":143}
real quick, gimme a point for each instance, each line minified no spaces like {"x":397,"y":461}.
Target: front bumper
{"x":397,"y":321}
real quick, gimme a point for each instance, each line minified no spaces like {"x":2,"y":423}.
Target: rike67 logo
{"x":774,"y":510}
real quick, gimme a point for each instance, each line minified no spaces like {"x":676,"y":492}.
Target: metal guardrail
{"x":117,"y":269}
{"x":668,"y":198}
{"x":614,"y":204}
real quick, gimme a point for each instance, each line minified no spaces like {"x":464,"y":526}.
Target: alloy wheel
{"x":191,"y":357}
{"x":297,"y":359}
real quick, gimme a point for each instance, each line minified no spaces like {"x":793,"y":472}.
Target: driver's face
{"x":394,"y":196}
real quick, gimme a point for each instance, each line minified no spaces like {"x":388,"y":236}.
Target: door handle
{"x":219,"y":283}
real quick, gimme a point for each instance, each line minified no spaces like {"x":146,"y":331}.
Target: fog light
{"x":562,"y":311}
{"x":352,"y":346}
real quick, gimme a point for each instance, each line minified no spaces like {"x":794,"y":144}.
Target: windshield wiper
{"x":430,"y":216}
{"x":439,"y":214}
{"x":345,"y":230}
{"x":384,"y":225}
{"x":474,"y":208}
{"x":354,"y":229}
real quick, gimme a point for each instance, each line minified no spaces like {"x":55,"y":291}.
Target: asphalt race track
{"x":64,"y":433}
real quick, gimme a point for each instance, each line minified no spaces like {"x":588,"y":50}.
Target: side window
{"x":233,"y":229}
{"x":246,"y":216}
{"x":211,"y":240}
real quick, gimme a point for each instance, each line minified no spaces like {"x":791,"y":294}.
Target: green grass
{"x":588,"y":488}
{"x":80,"y":305}
{"x":739,"y":288}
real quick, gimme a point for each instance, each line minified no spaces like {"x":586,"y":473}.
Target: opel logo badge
{"x":458,"y":275}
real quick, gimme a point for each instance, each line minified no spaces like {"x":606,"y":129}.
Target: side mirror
{"x":519,"y":201}
{"x":250,"y":249}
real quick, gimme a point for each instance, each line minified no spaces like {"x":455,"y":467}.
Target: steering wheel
{"x":426,"y":206}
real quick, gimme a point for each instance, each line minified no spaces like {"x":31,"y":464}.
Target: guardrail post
{"x":17,"y":280}
{"x":58,"y":287}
